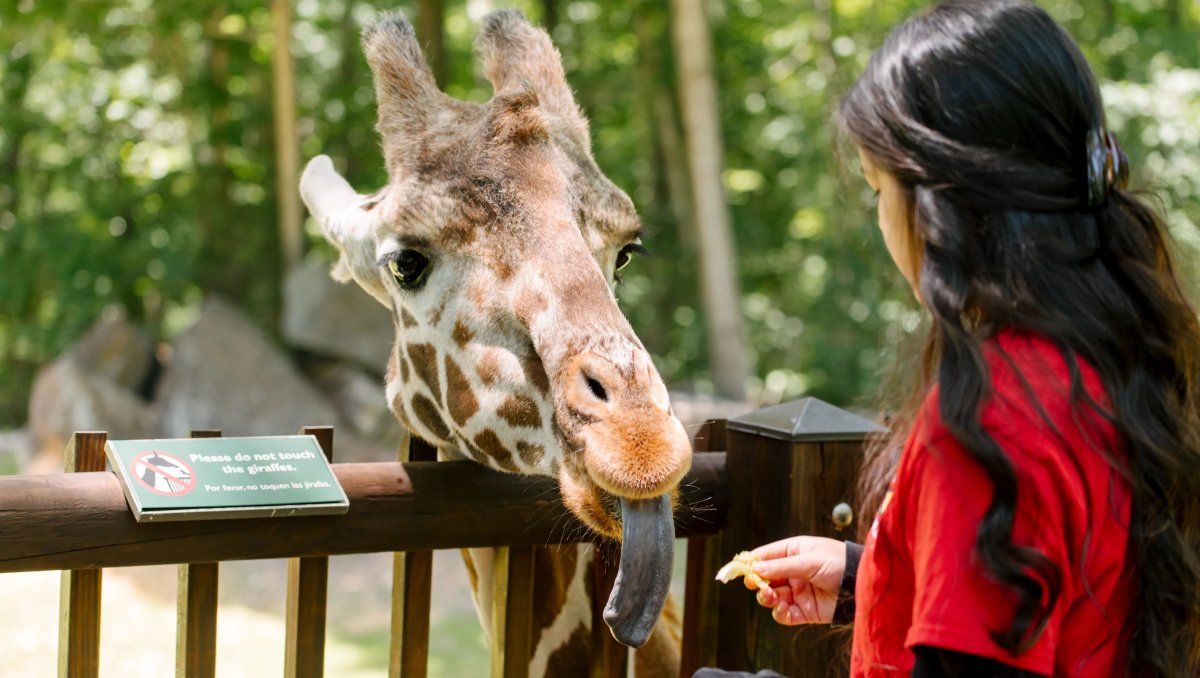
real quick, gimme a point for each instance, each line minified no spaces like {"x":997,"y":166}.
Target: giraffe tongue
{"x":644,"y":577}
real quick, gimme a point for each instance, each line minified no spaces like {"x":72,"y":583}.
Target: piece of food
{"x":740,"y":567}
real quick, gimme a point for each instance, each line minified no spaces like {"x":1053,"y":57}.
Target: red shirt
{"x":920,"y":581}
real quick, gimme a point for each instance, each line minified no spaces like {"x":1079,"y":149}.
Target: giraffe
{"x":495,"y":244}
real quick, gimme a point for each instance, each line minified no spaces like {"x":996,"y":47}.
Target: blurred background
{"x":152,"y":243}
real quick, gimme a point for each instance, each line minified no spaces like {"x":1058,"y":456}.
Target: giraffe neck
{"x":562,"y":618}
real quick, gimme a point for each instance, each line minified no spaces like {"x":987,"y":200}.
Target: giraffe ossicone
{"x":495,"y":245}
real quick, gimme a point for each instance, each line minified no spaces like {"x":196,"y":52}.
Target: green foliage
{"x":137,"y":163}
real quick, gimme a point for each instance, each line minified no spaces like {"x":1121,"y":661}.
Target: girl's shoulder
{"x":1040,"y":401}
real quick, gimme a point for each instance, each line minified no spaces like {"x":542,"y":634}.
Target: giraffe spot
{"x":520,"y":410}
{"x":554,"y":567}
{"x":530,"y":453}
{"x":429,"y":417}
{"x":504,"y":271}
{"x":424,"y":363}
{"x":398,"y":410}
{"x":436,"y":318}
{"x":460,"y":399}
{"x":535,"y":372}
{"x":572,"y":658}
{"x":489,"y":443}
{"x":462,"y":334}
{"x":404,"y":371}
{"x":488,"y":368}
{"x":470,"y":450}
{"x":529,"y":305}
{"x":406,"y":318}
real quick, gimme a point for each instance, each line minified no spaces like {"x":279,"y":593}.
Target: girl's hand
{"x":805,"y":574}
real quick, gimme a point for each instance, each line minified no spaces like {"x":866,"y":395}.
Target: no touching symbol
{"x":163,"y":473}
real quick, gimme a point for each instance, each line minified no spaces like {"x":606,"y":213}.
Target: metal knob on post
{"x":842,"y":516}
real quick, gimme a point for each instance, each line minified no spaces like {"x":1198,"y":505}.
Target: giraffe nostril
{"x":596,"y":388}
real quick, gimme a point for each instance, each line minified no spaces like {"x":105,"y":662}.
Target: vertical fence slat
{"x":412,"y":579}
{"x":79,"y":601}
{"x":308,"y":580}
{"x":512,"y":611}
{"x":196,"y":611}
{"x":699,"y":646}
{"x":609,"y":658}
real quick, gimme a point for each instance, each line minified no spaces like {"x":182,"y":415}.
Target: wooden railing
{"x":781,"y":472}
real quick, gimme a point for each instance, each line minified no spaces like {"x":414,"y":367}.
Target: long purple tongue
{"x":644,"y":577}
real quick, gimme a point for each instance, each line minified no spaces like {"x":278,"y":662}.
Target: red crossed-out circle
{"x":163,"y":473}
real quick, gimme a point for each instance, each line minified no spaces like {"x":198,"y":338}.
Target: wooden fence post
{"x":307,"y":586}
{"x":79,"y":600}
{"x":609,"y":658}
{"x":512,"y":611}
{"x":788,"y":467}
{"x":412,"y":582}
{"x":196,"y":613}
{"x":699,"y":647}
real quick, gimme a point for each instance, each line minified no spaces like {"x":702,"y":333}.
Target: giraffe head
{"x":495,"y":245}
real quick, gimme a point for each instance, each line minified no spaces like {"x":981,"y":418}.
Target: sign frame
{"x":173,"y":476}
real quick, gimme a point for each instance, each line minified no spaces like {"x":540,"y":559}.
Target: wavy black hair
{"x":987,"y":113}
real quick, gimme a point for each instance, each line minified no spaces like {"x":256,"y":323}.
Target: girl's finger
{"x":802,"y":567}
{"x":779,"y":549}
{"x":785,"y":614}
{"x":767,"y":597}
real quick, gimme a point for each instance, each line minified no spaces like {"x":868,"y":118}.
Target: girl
{"x":1043,"y":514}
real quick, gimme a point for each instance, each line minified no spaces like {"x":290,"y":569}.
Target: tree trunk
{"x":347,"y":72}
{"x":287,"y":150}
{"x":15,"y":84}
{"x":549,"y":15}
{"x":701,"y":121}
{"x":662,"y":127}
{"x":431,"y":33}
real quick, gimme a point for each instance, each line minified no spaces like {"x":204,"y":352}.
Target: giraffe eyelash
{"x":629,"y":250}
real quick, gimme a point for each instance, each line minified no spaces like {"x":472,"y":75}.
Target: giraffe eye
{"x":626,"y":254}
{"x":410,"y":268}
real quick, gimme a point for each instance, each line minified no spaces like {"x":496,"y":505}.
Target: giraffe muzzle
{"x":633,"y":445}
{"x":644,"y":576}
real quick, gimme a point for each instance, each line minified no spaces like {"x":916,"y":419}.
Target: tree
{"x":718,"y":258}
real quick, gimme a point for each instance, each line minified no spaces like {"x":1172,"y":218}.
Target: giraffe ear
{"x":349,"y":227}
{"x":517,"y":56}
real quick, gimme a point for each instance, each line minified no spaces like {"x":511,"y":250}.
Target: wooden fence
{"x":754,"y":479}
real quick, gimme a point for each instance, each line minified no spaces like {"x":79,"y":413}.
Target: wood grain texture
{"x":81,"y":521}
{"x":412,"y":583}
{"x":196,"y":612}
{"x":780,"y":489}
{"x":699,"y":646}
{"x":304,"y":640}
{"x":512,"y":611}
{"x":710,"y":437}
{"x":412,"y":578}
{"x":196,"y":626}
{"x":609,"y":658}
{"x":79,"y":600}
{"x":307,"y":594}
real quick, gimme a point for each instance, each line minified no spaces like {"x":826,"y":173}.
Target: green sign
{"x":207,"y":478}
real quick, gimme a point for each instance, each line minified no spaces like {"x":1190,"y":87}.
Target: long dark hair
{"x":988,"y":114}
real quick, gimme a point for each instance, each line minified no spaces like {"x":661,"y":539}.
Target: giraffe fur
{"x":495,"y":245}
